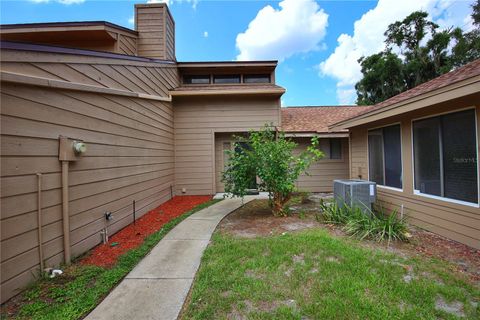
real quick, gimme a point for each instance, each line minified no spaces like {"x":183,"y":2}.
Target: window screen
{"x":426,"y":153}
{"x":460,"y":156}
{"x":445,"y":156}
{"x":375,"y":156}
{"x":196,"y":79}
{"x":385,"y":156}
{"x":393,"y":156}
{"x":256,"y":78}
{"x":226,"y":79}
{"x":335,"y":149}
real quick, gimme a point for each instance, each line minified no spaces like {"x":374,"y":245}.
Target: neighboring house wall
{"x":319,"y":177}
{"x":197,"y":119}
{"x":130,"y":153}
{"x":452,"y":220}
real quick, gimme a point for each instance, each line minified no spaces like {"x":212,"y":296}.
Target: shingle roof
{"x":317,"y":118}
{"x":469,"y":70}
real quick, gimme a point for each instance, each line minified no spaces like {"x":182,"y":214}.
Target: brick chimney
{"x":156,"y":31}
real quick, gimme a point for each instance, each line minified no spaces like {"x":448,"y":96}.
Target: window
{"x":335,"y":148}
{"x":332,"y":148}
{"x":256,"y":78}
{"x":226,"y":79}
{"x":445,"y":156}
{"x":385,"y":156}
{"x":196,"y":79}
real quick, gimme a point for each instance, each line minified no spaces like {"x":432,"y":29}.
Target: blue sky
{"x":316,"y":42}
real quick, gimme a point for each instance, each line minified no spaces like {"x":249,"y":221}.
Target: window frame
{"x":214,"y":76}
{"x":197,"y":75}
{"x":258,"y":75}
{"x":340,"y":141}
{"x":383,"y":156}
{"x":440,"y":198}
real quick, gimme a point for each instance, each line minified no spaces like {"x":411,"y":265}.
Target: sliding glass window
{"x":445,"y":156}
{"x":385,"y":156}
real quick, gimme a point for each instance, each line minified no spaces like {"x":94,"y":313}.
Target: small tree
{"x":268,"y":155}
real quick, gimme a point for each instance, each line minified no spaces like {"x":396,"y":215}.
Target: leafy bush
{"x":377,"y":224}
{"x":268,"y":154}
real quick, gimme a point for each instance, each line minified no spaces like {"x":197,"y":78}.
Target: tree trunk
{"x":278,"y":204}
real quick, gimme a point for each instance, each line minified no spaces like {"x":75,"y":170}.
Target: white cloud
{"x":368,"y":37}
{"x":131,"y":20}
{"x":170,"y":2}
{"x":205,"y":34}
{"x":298,"y":26}
{"x":66,"y":2}
{"x":346,"y":96}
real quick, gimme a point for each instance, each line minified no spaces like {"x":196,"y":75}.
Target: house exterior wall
{"x":197,"y":119}
{"x":130,"y":153}
{"x":319,"y":177}
{"x":156,"y":31}
{"x":452,"y":220}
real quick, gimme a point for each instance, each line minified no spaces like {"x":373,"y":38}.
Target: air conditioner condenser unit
{"x":355,"y":193}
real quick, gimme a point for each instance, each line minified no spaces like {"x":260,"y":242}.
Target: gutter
{"x":442,"y":94}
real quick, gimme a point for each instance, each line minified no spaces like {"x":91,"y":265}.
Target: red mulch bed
{"x":132,"y":236}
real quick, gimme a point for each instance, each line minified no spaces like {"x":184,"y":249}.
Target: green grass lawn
{"x":312,"y":275}
{"x":81,"y":288}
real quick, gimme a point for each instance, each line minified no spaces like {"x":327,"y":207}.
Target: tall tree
{"x":382,"y":78}
{"x":425,"y":52}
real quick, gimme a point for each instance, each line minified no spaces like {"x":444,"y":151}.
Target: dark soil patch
{"x":256,"y":220}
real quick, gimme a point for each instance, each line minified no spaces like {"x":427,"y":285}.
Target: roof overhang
{"x":317,"y":134}
{"x":226,"y":64}
{"x":59,"y":33}
{"x":454,"y":91}
{"x":275,"y":91}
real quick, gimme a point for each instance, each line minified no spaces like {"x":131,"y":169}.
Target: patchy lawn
{"x":261,"y":267}
{"x":82,"y":287}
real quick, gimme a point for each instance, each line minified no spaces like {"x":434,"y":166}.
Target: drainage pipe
{"x":39,"y":221}
{"x":65,"y":213}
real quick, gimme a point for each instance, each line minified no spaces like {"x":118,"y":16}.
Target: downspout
{"x":39,"y":221}
{"x":69,"y":150}
{"x":65,"y":213}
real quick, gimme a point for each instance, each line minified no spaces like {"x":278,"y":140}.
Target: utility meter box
{"x":70,"y":149}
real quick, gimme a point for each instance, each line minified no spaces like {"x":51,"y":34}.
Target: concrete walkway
{"x":158,"y":286}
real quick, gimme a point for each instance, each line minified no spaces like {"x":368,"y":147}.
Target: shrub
{"x":333,"y":213}
{"x":377,"y":224}
{"x":269,"y":155}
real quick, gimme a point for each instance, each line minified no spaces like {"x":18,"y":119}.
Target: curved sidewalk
{"x":158,"y":286}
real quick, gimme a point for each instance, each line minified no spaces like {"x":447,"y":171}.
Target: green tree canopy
{"x":424,"y":53}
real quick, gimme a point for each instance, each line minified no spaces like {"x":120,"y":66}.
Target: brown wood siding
{"x":130,"y":154}
{"x":127,"y":45}
{"x":453,"y":220}
{"x":156,"y":32}
{"x":196,"y":120}
{"x":320,"y":175}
